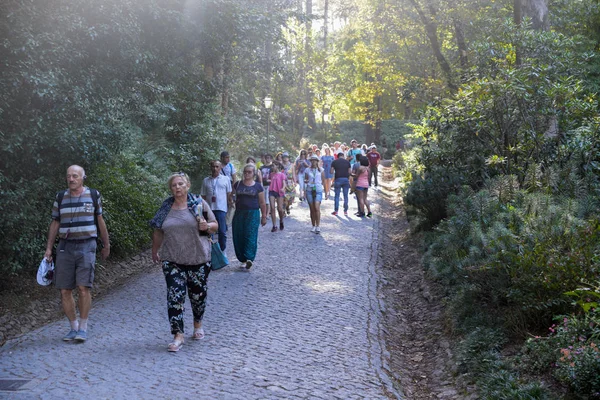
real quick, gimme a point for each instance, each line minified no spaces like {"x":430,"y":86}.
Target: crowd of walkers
{"x":185,"y":225}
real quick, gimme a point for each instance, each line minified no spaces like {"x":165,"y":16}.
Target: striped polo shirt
{"x":76,"y":215}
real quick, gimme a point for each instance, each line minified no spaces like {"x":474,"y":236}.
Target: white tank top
{"x":314,"y":179}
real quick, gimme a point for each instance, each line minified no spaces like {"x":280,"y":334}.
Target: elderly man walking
{"x":77,"y":220}
{"x":216,"y":191}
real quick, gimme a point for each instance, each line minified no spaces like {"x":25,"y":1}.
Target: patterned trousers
{"x":182,"y":278}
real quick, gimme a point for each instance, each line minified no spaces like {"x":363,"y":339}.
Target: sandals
{"x":175,"y":345}
{"x":198,"y":334}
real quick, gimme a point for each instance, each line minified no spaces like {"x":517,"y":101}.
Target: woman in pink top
{"x":362,"y":187}
{"x":276,"y":194}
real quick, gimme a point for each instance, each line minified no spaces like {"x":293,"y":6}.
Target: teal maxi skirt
{"x":245,"y":233}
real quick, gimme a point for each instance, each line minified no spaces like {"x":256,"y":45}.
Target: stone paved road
{"x":302,"y":323}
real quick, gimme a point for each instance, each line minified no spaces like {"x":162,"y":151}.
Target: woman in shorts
{"x":313,"y":183}
{"x":326,"y":160}
{"x":276,"y":194}
{"x":362,"y":188}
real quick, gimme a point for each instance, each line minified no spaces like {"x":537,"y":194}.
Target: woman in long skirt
{"x":250,"y":213}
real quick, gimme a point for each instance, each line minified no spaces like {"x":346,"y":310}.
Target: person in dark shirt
{"x":249,"y":205}
{"x":374,"y":158}
{"x":340,"y":168}
{"x":265,"y":171}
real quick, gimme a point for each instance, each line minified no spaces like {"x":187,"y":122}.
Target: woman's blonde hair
{"x":250,"y":165}
{"x":181,"y":175}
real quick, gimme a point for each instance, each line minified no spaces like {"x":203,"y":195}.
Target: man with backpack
{"x":77,"y":220}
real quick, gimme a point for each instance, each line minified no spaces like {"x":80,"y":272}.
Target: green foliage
{"x":130,"y":198}
{"x":515,"y":253}
{"x":26,"y":207}
{"x":426,"y":196}
{"x":479,"y":350}
{"x":570,"y":352}
{"x":119,"y":86}
{"x":528,"y":122}
{"x":587,"y":296}
{"x":479,"y":355}
{"x":502,"y":384}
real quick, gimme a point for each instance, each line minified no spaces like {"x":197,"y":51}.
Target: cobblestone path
{"x":302,"y":323}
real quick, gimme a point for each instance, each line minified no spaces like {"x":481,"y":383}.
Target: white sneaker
{"x":314,"y":229}
{"x":318,"y":231}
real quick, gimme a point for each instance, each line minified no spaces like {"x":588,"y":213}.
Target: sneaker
{"x":318,"y":231}
{"x":274,"y":229}
{"x":70,"y":336}
{"x":346,"y":213}
{"x":281,"y":225}
{"x":370,"y":214}
{"x":81,"y":336}
{"x":248,"y":264}
{"x":357,"y":213}
{"x":314,"y":229}
{"x":334,"y":213}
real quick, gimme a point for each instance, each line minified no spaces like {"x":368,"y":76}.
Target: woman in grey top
{"x":181,"y":242}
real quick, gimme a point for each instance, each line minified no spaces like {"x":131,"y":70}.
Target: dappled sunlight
{"x":323,"y":286}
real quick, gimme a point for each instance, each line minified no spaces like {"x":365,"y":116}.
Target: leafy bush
{"x":570,"y":352}
{"x":537,"y":123}
{"x":26,"y":214}
{"x":428,"y":195}
{"x":130,"y":198}
{"x":479,"y":350}
{"x":479,"y":355}
{"x":515,"y":258}
{"x":502,"y":384}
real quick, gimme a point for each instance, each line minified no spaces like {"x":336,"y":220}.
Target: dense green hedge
{"x":102,"y":85}
{"x":505,"y":176}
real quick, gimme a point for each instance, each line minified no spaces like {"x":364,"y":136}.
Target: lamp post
{"x":268,"y":105}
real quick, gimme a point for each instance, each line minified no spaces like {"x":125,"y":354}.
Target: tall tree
{"x":310,"y":108}
{"x":429,"y":21}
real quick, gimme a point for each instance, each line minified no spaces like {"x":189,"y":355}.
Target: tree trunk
{"x":325,"y":22}
{"x":369,"y":134}
{"x":310,"y":108}
{"x":462,"y":46}
{"x":377,"y":132}
{"x":537,"y":10}
{"x":431,"y":31}
{"x":518,"y":17}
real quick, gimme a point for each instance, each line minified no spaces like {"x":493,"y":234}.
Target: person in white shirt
{"x":216,"y":191}
{"x":229,"y":171}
